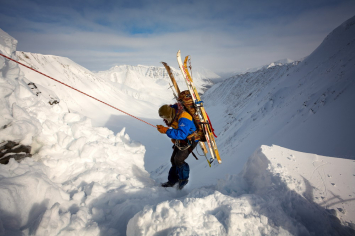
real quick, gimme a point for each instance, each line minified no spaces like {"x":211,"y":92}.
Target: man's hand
{"x":162,"y":129}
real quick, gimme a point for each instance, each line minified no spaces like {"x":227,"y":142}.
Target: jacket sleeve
{"x":183,"y":130}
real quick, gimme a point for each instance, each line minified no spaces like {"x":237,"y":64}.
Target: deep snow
{"x":89,"y":180}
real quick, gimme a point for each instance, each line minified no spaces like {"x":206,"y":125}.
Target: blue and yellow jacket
{"x":182,"y":127}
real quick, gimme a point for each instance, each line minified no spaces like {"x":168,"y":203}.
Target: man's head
{"x":168,"y":113}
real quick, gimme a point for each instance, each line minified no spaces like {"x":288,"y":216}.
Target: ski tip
{"x":219,"y":161}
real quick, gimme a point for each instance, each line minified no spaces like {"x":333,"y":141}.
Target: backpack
{"x":185,"y":99}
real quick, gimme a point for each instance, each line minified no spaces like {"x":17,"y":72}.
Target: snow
{"x":281,"y":62}
{"x":147,"y":79}
{"x":307,"y":107}
{"x":276,"y":194}
{"x":201,"y":213}
{"x":285,"y":138}
{"x":67,"y":71}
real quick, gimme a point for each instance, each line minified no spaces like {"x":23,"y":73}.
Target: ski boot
{"x":182,"y":183}
{"x":167,"y":184}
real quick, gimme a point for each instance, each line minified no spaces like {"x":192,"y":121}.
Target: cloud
{"x":219,"y":35}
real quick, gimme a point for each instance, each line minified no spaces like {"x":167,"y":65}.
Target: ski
{"x":200,"y":109}
{"x":172,"y":78}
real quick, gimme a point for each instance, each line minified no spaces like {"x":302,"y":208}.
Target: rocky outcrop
{"x":10,"y":149}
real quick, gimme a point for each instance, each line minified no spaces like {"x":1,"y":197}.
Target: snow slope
{"x":87,"y":180}
{"x":78,"y":175}
{"x":307,"y":107}
{"x":141,"y":103}
{"x":277,"y":193}
{"x":138,"y":90}
{"x":81,"y":180}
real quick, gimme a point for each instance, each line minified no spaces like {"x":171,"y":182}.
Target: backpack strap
{"x":194,"y":155}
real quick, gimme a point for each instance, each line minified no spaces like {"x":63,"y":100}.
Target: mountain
{"x":308,"y":107}
{"x":313,"y":95}
{"x":143,"y":86}
{"x":285,"y":138}
{"x":275,"y":63}
{"x":147,"y":78}
{"x":281,"y":62}
{"x":155,"y":92}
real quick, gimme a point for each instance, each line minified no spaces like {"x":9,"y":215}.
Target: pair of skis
{"x":206,"y":125}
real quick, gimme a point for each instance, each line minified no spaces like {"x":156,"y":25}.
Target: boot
{"x":182,"y":183}
{"x":167,"y":184}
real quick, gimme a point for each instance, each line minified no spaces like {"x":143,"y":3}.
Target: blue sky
{"x":220,"y":35}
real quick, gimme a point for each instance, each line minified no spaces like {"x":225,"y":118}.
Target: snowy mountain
{"x":312,"y":96}
{"x":146,"y":78}
{"x":307,"y":107}
{"x":143,"y":86}
{"x":67,"y":71}
{"x":281,"y":62}
{"x":285,"y":138}
{"x":275,"y":63}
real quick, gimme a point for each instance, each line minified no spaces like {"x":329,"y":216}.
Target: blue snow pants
{"x":180,"y":170}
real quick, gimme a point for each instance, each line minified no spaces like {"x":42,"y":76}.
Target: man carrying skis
{"x":183,"y":135}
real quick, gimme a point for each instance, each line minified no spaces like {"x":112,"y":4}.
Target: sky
{"x":223,"y":36}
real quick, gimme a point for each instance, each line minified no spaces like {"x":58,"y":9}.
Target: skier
{"x":183,"y":136}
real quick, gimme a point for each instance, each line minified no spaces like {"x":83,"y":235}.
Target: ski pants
{"x":180,"y":170}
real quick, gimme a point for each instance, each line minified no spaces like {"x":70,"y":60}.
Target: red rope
{"x":209,"y":121}
{"x":77,"y":90}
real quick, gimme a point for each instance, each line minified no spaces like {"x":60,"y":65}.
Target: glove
{"x":162,"y":129}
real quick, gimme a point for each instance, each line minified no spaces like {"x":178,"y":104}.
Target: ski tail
{"x":172,"y":78}
{"x":204,"y":149}
{"x":186,"y":70}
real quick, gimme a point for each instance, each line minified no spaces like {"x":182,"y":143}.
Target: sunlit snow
{"x":285,"y":138}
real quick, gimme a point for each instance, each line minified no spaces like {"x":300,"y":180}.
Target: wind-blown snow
{"x":88,"y":180}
